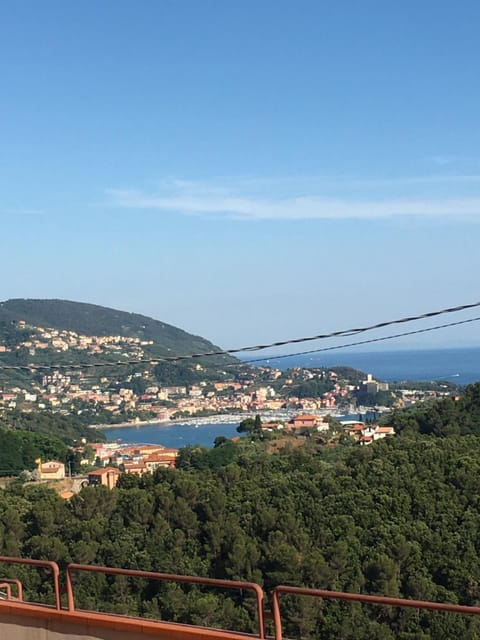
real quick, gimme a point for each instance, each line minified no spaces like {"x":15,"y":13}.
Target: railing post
{"x":70,"y":598}
{"x":8,"y":589}
{"x":277,"y":619}
{"x":19,"y":586}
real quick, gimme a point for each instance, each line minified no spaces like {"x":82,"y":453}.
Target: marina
{"x":202,"y":431}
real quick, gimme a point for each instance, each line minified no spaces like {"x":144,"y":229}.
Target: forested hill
{"x":447,"y":417}
{"x":398,"y":518}
{"x":90,"y":319}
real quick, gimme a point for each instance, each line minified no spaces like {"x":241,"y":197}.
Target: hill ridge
{"x":93,"y":319}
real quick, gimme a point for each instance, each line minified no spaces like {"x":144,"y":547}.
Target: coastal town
{"x":93,"y":379}
{"x":112,"y":459}
{"x":121,"y":396}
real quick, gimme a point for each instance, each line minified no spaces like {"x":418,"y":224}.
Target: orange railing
{"x":8,"y":590}
{"x":37,"y":563}
{"x":5,"y":583}
{"x":358,"y":597}
{"x":17,"y":583}
{"x":152,"y":575}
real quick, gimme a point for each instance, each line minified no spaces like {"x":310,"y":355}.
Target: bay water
{"x":461,"y":366}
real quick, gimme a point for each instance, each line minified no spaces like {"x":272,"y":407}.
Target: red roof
{"x":161,"y":457}
{"x":132,"y":465}
{"x":51,"y":467}
{"x":102,"y":472}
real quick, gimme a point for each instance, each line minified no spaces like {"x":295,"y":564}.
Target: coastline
{"x":216,"y":417}
{"x":119,"y":425}
{"x":221,"y":418}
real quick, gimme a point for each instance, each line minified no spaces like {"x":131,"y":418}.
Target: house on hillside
{"x":137,"y":468}
{"x":108,"y":477}
{"x":302,"y":420}
{"x":51,"y":470}
{"x":366,"y":434}
{"x":272,"y":426}
{"x":383,"y":432}
{"x":165,"y":458}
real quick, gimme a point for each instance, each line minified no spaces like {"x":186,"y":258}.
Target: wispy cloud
{"x":241,"y":201}
{"x":442,"y":160}
{"x":19,"y":211}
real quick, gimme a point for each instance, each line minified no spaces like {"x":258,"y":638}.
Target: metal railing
{"x":358,"y":597}
{"x":18,"y":584}
{"x":170,"y":577}
{"x":6,"y":584}
{"x":37,"y":563}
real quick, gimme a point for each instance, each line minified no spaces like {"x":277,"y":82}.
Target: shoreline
{"x":216,"y":417}
{"x":221,"y":418}
{"x":139,"y":423}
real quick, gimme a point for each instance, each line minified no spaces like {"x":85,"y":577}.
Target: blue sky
{"x":249,"y":171}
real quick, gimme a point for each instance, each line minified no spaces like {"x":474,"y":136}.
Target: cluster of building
{"x":299,"y":425}
{"x":72,"y":392}
{"x":137,"y":459}
{"x":61,"y":340}
{"x":250,"y":389}
{"x":113,"y":459}
{"x":367,"y":433}
{"x":303,"y":424}
{"x":60,"y":394}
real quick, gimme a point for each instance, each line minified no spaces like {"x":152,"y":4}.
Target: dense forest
{"x":449,"y":416}
{"x":68,"y":428}
{"x":400,"y":518}
{"x":24,"y":437}
{"x":20,"y":449}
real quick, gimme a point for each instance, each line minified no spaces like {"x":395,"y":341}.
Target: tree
{"x":252,"y":426}
{"x":246,"y":426}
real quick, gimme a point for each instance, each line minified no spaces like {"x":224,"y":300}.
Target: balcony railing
{"x":67,"y":609}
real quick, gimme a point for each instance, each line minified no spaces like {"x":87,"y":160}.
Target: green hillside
{"x":399,"y":518}
{"x":90,"y":319}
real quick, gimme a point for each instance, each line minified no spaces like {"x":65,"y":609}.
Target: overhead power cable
{"x":259,"y":347}
{"x":342,"y":332}
{"x":356,"y":344}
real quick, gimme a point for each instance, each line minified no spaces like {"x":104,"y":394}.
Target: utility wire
{"x":355,"y":344}
{"x":259,"y":347}
{"x":343,"y":332}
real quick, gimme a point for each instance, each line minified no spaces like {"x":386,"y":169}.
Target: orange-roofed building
{"x":108,"y":477}
{"x":137,"y":468}
{"x":165,"y":458}
{"x":302,"y":421}
{"x":355,"y":430}
{"x":52,"y":470}
{"x":383,"y":432}
{"x":272,"y":426}
{"x":141,"y":450}
{"x":66,"y":495}
{"x":145,"y":449}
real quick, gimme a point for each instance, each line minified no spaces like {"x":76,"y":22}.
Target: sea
{"x":460,"y":366}
{"x":174,"y":436}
